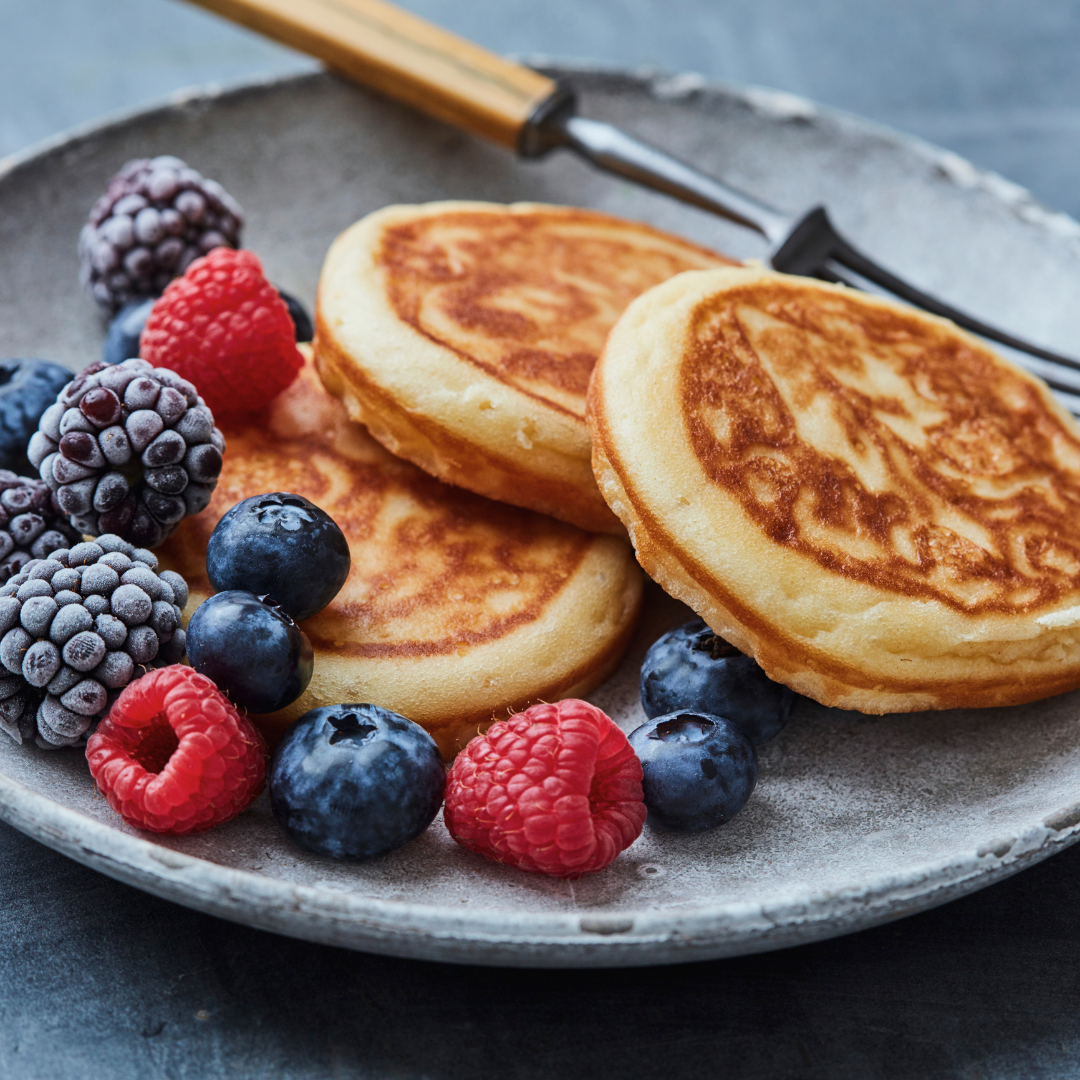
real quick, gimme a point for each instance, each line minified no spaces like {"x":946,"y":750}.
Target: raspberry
{"x":174,"y":756}
{"x":224,"y":327}
{"x":554,"y":789}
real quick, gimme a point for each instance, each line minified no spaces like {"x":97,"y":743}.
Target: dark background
{"x":98,"y":980}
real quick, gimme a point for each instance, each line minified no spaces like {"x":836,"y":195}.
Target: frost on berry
{"x":555,"y":789}
{"x":174,"y":756}
{"x":156,"y":217}
{"x":120,"y":450}
{"x":77,"y":627}
{"x":30,"y":523}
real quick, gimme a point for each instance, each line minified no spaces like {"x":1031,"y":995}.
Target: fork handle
{"x":407,"y":58}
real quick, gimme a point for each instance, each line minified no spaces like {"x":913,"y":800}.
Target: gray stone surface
{"x":99,"y":980}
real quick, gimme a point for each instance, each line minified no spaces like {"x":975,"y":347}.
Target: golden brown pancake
{"x":463,"y":335}
{"x":456,"y":608}
{"x":874,"y":504}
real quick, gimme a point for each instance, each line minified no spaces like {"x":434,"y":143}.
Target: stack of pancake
{"x":462,"y":336}
{"x":868,"y":500}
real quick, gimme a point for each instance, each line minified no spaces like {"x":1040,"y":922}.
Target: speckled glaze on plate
{"x":856,"y":820}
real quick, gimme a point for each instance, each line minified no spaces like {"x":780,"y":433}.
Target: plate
{"x":856,"y":820}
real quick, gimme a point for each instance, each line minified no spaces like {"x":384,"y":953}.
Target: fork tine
{"x":854,"y":259}
{"x":1063,"y":380}
{"x":804,"y":245}
{"x":814,"y":242}
{"x":814,"y":247}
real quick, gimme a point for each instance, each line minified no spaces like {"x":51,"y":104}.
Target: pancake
{"x":456,"y":608}
{"x":870,"y":501}
{"x":463,"y":335}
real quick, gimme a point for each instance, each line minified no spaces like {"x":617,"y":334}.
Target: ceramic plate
{"x":856,"y":820}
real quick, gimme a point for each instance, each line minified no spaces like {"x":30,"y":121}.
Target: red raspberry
{"x":223,"y":327}
{"x":174,"y":756}
{"x":556,"y":789}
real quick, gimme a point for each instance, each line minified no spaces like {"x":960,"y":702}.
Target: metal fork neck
{"x":616,"y":152}
{"x":806,"y":244}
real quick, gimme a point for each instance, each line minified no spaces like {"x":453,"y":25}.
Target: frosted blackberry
{"x":128,"y":449}
{"x":30,"y":524}
{"x":156,"y":217}
{"x":75,"y":629}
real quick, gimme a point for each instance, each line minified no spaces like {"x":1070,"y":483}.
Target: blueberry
{"x":122,"y":341}
{"x":305,"y":331}
{"x":355,"y":781}
{"x":691,"y":668}
{"x":251,"y":649}
{"x":27,"y":389}
{"x":283,"y":546}
{"x":698,"y":770}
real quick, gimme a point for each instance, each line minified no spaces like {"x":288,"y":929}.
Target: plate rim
{"x":590,"y":938}
{"x":586,"y":938}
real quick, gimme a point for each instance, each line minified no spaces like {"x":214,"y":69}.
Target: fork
{"x":422,"y":65}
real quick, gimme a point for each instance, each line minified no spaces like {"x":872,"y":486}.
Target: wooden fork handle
{"x":404,"y":57}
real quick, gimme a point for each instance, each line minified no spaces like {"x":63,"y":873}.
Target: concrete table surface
{"x":99,"y":980}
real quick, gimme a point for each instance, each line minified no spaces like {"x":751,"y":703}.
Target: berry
{"x":224,"y":327}
{"x":698,"y":770}
{"x":128,"y":449}
{"x":303,"y":327}
{"x":355,"y":781}
{"x":77,"y":627}
{"x":156,"y":218}
{"x":173,"y":756}
{"x":122,"y":340}
{"x":692,"y":669}
{"x":30,"y":525}
{"x":554,"y":789}
{"x":253,"y":651}
{"x":27,"y":389}
{"x":283,"y":546}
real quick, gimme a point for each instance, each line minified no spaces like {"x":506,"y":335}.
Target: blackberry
{"x":27,"y":389}
{"x":30,"y":524}
{"x":128,"y":449}
{"x":156,"y":217}
{"x":76,"y":628}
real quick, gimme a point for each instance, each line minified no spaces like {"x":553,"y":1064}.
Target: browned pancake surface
{"x":425,"y":556}
{"x":870,"y":501}
{"x":932,"y":471}
{"x":455,"y":608}
{"x":529,"y":296}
